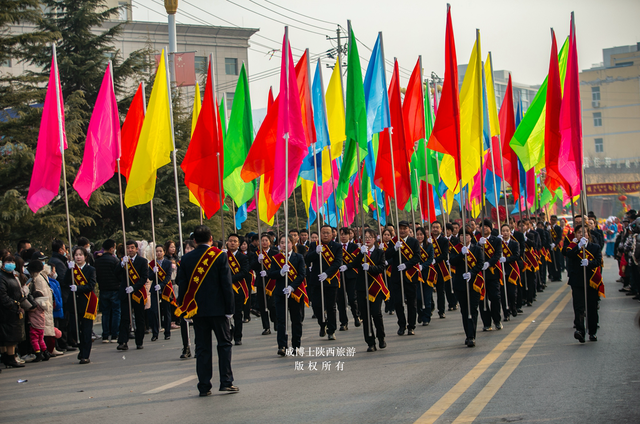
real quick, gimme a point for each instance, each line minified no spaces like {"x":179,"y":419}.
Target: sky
{"x":516,"y":32}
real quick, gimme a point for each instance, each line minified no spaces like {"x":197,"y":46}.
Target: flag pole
{"x":264,"y":290}
{"x":64,"y":176}
{"x":221,"y":198}
{"x":175,"y":166}
{"x":155,"y":260}
{"x":482,"y":195}
{"x":233,"y":212}
{"x":426,"y":157}
{"x":285,"y":54}
{"x":425,"y":239}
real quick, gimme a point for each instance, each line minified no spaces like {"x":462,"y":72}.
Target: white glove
{"x":378,"y":237}
{"x":157,"y":287}
{"x":364,"y":249}
{"x":466,"y":276}
{"x":503,"y":259}
{"x":287,"y":291}
{"x":584,"y":262}
{"x":430,"y":240}
{"x":284,"y":270}
{"x":73,"y":288}
{"x":319,"y":249}
{"x":322,"y":276}
{"x":434,"y":261}
{"x":398,"y":245}
{"x":260,"y":258}
{"x":482,"y":241}
{"x":125,"y":259}
{"x":229,"y":316}
{"x":402,"y":267}
{"x":174,"y":266}
{"x":155,"y":269}
{"x":129,"y":290}
{"x":365,"y":266}
{"x":386,"y":263}
{"x":575,"y":240}
{"x":583,"y":242}
{"x":485,"y":266}
{"x":465,"y":250}
{"x":500,"y":237}
{"x":553,"y":245}
{"x":549,"y":227}
{"x":71,"y":264}
{"x":420,"y":267}
{"x":263,"y":273}
{"x":343,"y":268}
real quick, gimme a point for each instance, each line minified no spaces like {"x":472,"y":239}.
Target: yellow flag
{"x":155,"y":144}
{"x":262,"y":203}
{"x":197,"y":105}
{"x":471,"y":137}
{"x":448,"y":175}
{"x":307,"y":189}
{"x":335,"y":113}
{"x":494,"y":123}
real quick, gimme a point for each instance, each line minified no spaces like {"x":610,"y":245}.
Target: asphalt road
{"x":531,"y":371}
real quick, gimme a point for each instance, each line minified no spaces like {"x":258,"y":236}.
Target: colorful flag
{"x":102,"y":148}
{"x":552,"y":137}
{"x":131,"y":130}
{"x":52,"y":141}
{"x":197,"y":105}
{"x":155,"y":144}
{"x":507,"y":128}
{"x":335,"y":113}
{"x":375,"y":92}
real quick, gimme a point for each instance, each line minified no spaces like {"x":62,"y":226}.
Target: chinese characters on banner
{"x":606,"y":189}
{"x":320,"y":352}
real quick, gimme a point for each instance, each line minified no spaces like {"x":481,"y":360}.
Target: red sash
{"x":300,"y":293}
{"x":140,"y":295}
{"x":91,"y":311}
{"x":377,"y":285}
{"x":514,"y":269}
{"x":442,"y":265}
{"x":271,"y":283}
{"x":161,"y":273}
{"x":478,"y":282}
{"x":413,"y":271}
{"x":555,"y":237}
{"x":189,"y":306}
{"x":595,"y":281}
{"x":168,"y":295}
{"x":329,"y":257}
{"x":238,"y":285}
{"x":530,"y":261}
{"x":348,"y":258}
{"x":432,"y":275}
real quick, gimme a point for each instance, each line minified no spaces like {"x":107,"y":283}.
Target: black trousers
{"x":184,"y":332}
{"x":152,"y":316}
{"x":424,"y":308}
{"x":577,"y":293}
{"x":530,"y":285}
{"x":555,"y":267}
{"x":238,"y":316}
{"x":69,"y":336}
{"x":295,"y":315}
{"x":520,"y":292}
{"x":410,"y":290}
{"x":202,"y":327}
{"x":492,"y":311}
{"x":85,"y":327}
{"x":375,"y":309}
{"x":469,"y":324}
{"x":440,"y":293}
{"x":330,"y":295}
{"x":352,"y":300}
{"x":542,"y":280}
{"x":138,"y":316}
{"x":508,"y":303}
{"x":267,"y":313}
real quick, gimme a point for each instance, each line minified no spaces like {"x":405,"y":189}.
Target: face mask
{"x":10,"y":267}
{"x":89,"y":249}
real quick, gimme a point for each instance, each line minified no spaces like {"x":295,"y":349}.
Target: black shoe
{"x":450,"y":308}
{"x":371,"y":348}
{"x":323,"y":331}
{"x":186,"y":353}
{"x":578,"y":336}
{"x":425,"y":323}
{"x":471,"y":343}
{"x":313,"y":316}
{"x":419,"y":319}
{"x":455,"y":308}
{"x":528,"y":303}
{"x":391,"y":312}
{"x":281,"y":352}
{"x":441,"y":315}
{"x":46,"y":355}
{"x":411,"y":332}
{"x":255,"y":313}
{"x":203,"y":394}
{"x":85,"y":361}
{"x":154,"y":338}
{"x":332,"y":336}
{"x":167,"y":337}
{"x":343,"y":327}
{"x":499,"y":326}
{"x":38,"y":357}
{"x":238,"y":342}
{"x":466,"y":341}
{"x":139,"y":347}
{"x":358,"y":322}
{"x":624,"y":289}
{"x":485,"y":328}
{"x":9,"y":361}
{"x":246,"y":320}
{"x":71,"y":349}
{"x":631,"y":293}
{"x":232,"y":389}
{"x":122,"y":347}
{"x":382,"y":344}
{"x":266,"y":332}
{"x":400,"y":331}
{"x":593,"y":338}
{"x":507,"y":318}
{"x":518,"y":311}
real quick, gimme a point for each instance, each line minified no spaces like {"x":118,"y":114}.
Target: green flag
{"x":237,"y":142}
{"x":528,"y":140}
{"x":356,"y":121}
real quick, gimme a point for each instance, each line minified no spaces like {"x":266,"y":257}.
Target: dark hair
{"x":577,"y":227}
{"x":108,"y":244}
{"x":161,"y":247}
{"x":56,"y":245}
{"x":22,"y":244}
{"x":487,"y":223}
{"x":436,"y":222}
{"x":19,"y":269}
{"x":314,"y":232}
{"x":371,"y":232}
{"x":3,"y":253}
{"x":345,"y":230}
{"x":27,"y":254}
{"x":233,"y":235}
{"x":35,"y":267}
{"x":83,"y":241}
{"x":390,"y":225}
{"x":449,"y":226}
{"x":84,"y":251}
{"x":455,"y":223}
{"x":554,"y":216}
{"x":386,"y":230}
{"x":132,"y":243}
{"x":327,"y":226}
{"x":267,"y":236}
{"x":188,"y":243}
{"x":505,"y":225}
{"x":283,"y":236}
{"x":424,"y":233}
{"x":294,"y":230}
{"x":168,"y":244}
{"x":254,"y":238}
{"x":201,"y":234}
{"x":304,"y":230}
{"x":8,"y":258}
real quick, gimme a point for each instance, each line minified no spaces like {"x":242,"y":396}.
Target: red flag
{"x":552,"y":120}
{"x":270,"y":99}
{"x":260,"y":158}
{"x":428,"y":207}
{"x":131,"y":132}
{"x":413,"y":110}
{"x":507,"y":128}
{"x":302,"y":73}
{"x":384,"y":176}
{"x":200,"y":164}
{"x":445,"y":137}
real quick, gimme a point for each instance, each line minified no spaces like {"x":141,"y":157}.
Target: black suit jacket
{"x":350,"y":274}
{"x":215,"y":295}
{"x":443,"y":244}
{"x":313,"y":262}
{"x":142,"y":266}
{"x":574,"y":259}
{"x":90,"y":274}
{"x":244,"y":273}
{"x":296,"y":261}
{"x":393,"y":258}
{"x":558,"y":235}
{"x":376,"y":267}
{"x":457,"y":260}
{"x":492,"y":273}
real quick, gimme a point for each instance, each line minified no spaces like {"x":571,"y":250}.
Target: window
{"x":597,"y":119}
{"x":599,"y":145}
{"x":201,"y":64}
{"x":229,"y":99}
{"x":595,"y":94}
{"x":123,"y":12}
{"x":6,"y":63}
{"x":231,"y":66}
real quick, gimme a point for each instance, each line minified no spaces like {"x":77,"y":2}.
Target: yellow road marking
{"x":456,"y":391}
{"x":476,"y":406}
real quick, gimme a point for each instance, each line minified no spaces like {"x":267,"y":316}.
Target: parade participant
{"x":510,"y":258}
{"x":385,"y":243}
{"x":555,"y":269}
{"x":314,"y":237}
{"x":206,"y":295}
{"x":162,"y":284}
{"x":253,"y":259}
{"x":288,"y":270}
{"x":349,"y":274}
{"x":582,"y":253}
{"x":189,"y":246}
{"x":241,"y":279}
{"x":331,"y":260}
{"x":371,"y":260}
{"x":531,"y":265}
{"x":137,"y":269}
{"x":441,"y":256}
{"x":12,"y":328}
{"x":468,"y":284}
{"x":455,"y":232}
{"x":295,"y":234}
{"x":106,"y":264}
{"x":429,"y":276}
{"x":267,"y":313}
{"x":490,"y":308}
{"x":304,"y":238}
{"x":545,"y":254}
{"x":403,"y":260}
{"x":518,"y":235}
{"x":81,"y":280}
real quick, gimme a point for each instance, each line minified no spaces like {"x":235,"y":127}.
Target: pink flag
{"x":102,"y":148}
{"x":289,"y":125}
{"x":52,"y":140}
{"x":570,"y":157}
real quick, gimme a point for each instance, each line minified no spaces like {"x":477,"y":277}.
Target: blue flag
{"x":375,"y":93}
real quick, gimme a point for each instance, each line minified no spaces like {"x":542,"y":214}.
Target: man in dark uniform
{"x":206,"y":295}
{"x":518,"y":234}
{"x":441,"y":256}
{"x":328,"y":276}
{"x":349,"y":273}
{"x":161,"y":267}
{"x":555,"y":232}
{"x":133,"y":273}
{"x":490,"y":307}
{"x":510,"y":258}
{"x":545,"y":252}
{"x":403,"y":260}
{"x":267,"y":313}
{"x":241,"y":280}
